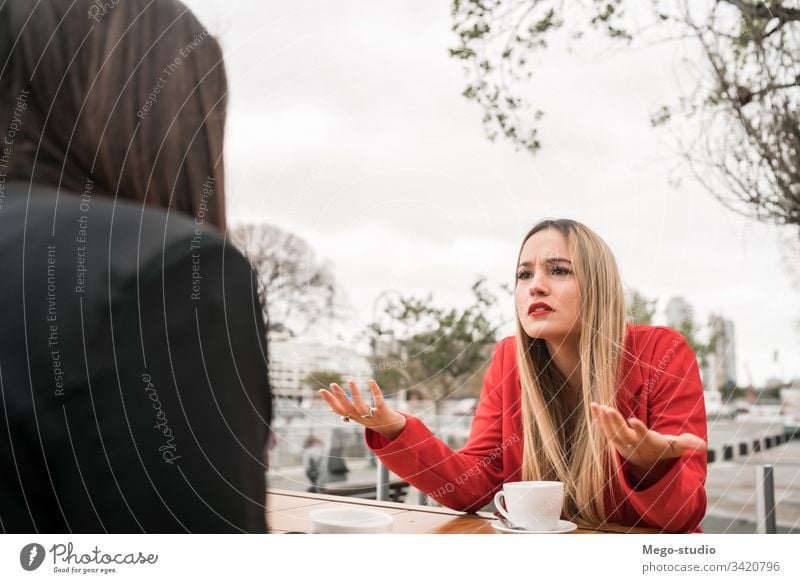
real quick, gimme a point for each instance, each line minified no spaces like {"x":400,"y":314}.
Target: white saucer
{"x":562,"y":527}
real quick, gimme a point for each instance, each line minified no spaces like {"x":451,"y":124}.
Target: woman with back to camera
{"x":132,"y":353}
{"x":613,"y":410}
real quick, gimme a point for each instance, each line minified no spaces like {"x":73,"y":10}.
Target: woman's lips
{"x":539,"y":308}
{"x":538,"y":313}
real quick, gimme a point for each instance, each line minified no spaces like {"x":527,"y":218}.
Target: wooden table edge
{"x":315,"y":498}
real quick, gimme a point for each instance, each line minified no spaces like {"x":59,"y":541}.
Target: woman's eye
{"x":525,"y":274}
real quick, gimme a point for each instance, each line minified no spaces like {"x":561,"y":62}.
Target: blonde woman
{"x":613,"y":410}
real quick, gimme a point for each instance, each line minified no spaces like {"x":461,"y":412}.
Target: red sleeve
{"x":466,"y":479}
{"x":676,"y":502}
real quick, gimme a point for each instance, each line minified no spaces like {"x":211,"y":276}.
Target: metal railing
{"x":765,"y":482}
{"x":765,"y":500}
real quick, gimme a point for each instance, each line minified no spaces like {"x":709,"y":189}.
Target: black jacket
{"x":133,"y":370}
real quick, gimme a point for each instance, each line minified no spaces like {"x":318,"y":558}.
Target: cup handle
{"x":499,"y":503}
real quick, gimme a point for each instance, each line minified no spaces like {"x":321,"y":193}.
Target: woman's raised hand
{"x":642,"y":447}
{"x":379,"y":418}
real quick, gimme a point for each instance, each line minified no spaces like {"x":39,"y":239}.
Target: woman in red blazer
{"x":613,"y":410}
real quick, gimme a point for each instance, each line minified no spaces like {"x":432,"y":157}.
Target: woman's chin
{"x":549,"y":332}
{"x":538,"y":332}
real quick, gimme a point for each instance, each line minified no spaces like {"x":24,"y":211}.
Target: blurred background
{"x":384,"y":161}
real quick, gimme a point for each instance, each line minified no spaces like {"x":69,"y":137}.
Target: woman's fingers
{"x":600,"y":419}
{"x":332,"y":401}
{"x":613,"y":425}
{"x":339,"y":402}
{"x":377,"y":396}
{"x":623,"y":434}
{"x":608,"y":429}
{"x":621,"y":429}
{"x":638,"y":426}
{"x":383,"y":420}
{"x":345,"y":403}
{"x":689,"y":441}
{"x":647,"y":446}
{"x":358,"y":402}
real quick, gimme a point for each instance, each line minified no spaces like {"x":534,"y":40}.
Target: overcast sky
{"x":347,"y":127}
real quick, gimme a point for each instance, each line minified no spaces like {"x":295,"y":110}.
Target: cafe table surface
{"x":288,"y":512}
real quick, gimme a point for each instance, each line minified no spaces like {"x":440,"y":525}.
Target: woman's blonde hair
{"x":562,"y":444}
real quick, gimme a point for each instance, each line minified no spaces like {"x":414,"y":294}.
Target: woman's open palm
{"x":641,"y":446}
{"x":379,"y":417}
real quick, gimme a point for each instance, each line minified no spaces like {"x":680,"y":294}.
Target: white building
{"x":292,"y":361}
{"x":678,"y":312}
{"x":720,"y":369}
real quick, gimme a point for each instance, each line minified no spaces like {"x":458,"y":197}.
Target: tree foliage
{"x":737,"y":126}
{"x":641,"y":310}
{"x":431,"y":349}
{"x":322,"y":379}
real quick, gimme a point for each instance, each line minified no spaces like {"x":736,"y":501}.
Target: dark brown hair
{"x":128,"y":95}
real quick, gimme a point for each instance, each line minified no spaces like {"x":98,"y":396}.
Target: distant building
{"x":720,"y":370}
{"x":292,"y":361}
{"x":678,"y":312}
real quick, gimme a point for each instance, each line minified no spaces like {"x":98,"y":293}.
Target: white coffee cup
{"x":350,"y":521}
{"x":531,"y":505}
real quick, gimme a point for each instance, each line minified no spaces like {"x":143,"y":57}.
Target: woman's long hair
{"x":127,"y":98}
{"x":562,"y":444}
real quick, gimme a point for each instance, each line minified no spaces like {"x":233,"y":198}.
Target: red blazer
{"x":661,"y":386}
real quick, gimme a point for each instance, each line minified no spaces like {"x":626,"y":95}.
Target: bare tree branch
{"x":295,"y":287}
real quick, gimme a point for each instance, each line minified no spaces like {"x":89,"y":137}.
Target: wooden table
{"x":288,"y":512}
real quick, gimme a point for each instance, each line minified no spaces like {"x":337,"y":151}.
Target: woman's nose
{"x":537,"y":286}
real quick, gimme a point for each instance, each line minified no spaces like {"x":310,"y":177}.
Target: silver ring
{"x":346,"y":418}
{"x":369,"y":413}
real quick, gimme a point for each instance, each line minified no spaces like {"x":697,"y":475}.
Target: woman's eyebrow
{"x":548,"y":260}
